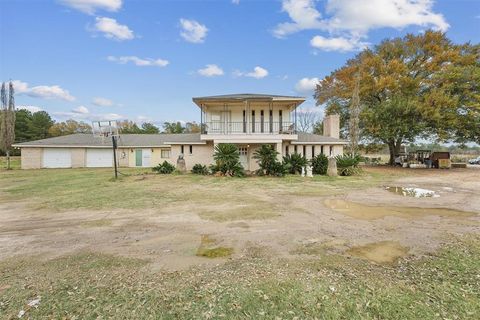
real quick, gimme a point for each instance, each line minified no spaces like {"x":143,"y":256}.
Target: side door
{"x":138,"y":158}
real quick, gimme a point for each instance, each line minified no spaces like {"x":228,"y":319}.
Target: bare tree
{"x":353,"y":125}
{"x":306,"y":120}
{"x":7,"y":132}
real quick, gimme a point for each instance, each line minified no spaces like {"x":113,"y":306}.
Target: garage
{"x":99,"y":158}
{"x":57,"y":158}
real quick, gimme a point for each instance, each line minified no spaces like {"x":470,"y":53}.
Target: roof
{"x":249,"y":96}
{"x":305,"y":138}
{"x":125,"y":140}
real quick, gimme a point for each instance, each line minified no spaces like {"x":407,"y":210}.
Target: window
{"x":313,"y":151}
{"x":331,"y":150}
{"x":271,"y":120}
{"x":182,"y":149}
{"x":165,"y":153}
{"x":244,"y":121}
{"x":295,"y":149}
{"x":190,"y":149}
{"x":253,"y":120}
{"x":304,"y":151}
{"x":286,"y":150}
{"x":243,"y":151}
{"x":280,"y":120}
{"x":262,"y":120}
{"x":321,"y":150}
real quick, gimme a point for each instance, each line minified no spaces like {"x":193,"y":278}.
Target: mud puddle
{"x":366,"y":212}
{"x":383,"y":252}
{"x":412,"y":192}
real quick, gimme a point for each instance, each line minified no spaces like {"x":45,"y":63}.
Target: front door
{"x":244,"y":157}
{"x":138,"y":158}
{"x":146,"y":156}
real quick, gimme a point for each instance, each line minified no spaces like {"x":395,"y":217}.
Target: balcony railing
{"x":266,"y":127}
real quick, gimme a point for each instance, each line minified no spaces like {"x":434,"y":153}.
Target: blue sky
{"x":145,"y":60}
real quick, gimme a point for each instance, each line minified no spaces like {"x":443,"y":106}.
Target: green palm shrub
{"x":164,"y":168}
{"x":295,"y":162}
{"x":319,"y":164}
{"x":200,"y":169}
{"x":227,"y":160}
{"x":347,"y":164}
{"x":266,"y":157}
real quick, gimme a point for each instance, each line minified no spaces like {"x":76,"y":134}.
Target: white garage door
{"x":57,"y":158}
{"x":99,"y":158}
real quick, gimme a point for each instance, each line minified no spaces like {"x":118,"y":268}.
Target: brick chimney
{"x":331,"y":126}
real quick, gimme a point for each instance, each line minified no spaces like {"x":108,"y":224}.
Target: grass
{"x":14,"y":163}
{"x":90,"y":286}
{"x":139,"y":188}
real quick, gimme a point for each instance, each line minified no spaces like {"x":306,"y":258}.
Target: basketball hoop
{"x":106,"y":129}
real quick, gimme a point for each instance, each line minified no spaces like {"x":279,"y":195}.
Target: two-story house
{"x":246,"y":120}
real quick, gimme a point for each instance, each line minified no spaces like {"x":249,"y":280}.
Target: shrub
{"x":295,"y":163}
{"x":200,"y":169}
{"x":164,"y":168}
{"x":266,"y":158}
{"x":319,"y":164}
{"x":227,"y":160}
{"x":347,"y":164}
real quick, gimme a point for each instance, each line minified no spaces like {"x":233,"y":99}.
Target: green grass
{"x":95,"y":189}
{"x":14,"y":163}
{"x":91,"y":286}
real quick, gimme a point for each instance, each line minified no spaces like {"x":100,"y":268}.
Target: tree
{"x":40,"y":124}
{"x":192,"y":127}
{"x":266,"y":157}
{"x":353,"y":127}
{"x":149,"y":128}
{"x":307,"y":119}
{"x":128,"y":127}
{"x":173,"y":127}
{"x":69,"y":127}
{"x":23,"y":119}
{"x":418,"y":86}
{"x":8,"y":120}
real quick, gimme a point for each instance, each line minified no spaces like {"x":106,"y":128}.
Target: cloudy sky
{"x":145,"y":60}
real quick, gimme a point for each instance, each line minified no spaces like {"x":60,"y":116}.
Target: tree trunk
{"x":391,"y":149}
{"x":8,"y":159}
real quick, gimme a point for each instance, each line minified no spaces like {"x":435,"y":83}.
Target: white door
{"x":57,"y":158}
{"x":99,"y":158}
{"x":146,"y":157}
{"x":243,"y":157}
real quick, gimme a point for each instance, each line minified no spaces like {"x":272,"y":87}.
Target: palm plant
{"x":227,"y":160}
{"x":347,"y":164}
{"x":266,"y":157}
{"x":319,"y":164}
{"x":295,"y":162}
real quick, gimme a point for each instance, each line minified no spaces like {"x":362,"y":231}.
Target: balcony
{"x":254,"y":128}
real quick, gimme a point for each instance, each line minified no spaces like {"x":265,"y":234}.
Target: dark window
{"x":304,"y":151}
{"x":295,"y":149}
{"x":321,"y":149}
{"x":331,"y":150}
{"x":280,"y":120}
{"x":253,"y":120}
{"x":313,"y":151}
{"x":191,"y":149}
{"x":182,"y":150}
{"x":244,"y":121}
{"x":271,"y":121}
{"x":286,"y":150}
{"x":262,"y":120}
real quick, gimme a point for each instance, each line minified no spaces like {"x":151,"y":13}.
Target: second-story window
{"x":280,"y":121}
{"x":244,"y":121}
{"x":262,"y":120}
{"x":270,"y":120}
{"x":253,"y":120}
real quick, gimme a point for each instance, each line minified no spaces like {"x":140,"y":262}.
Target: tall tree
{"x":173,"y":127}
{"x":23,"y":119}
{"x":40,"y":124}
{"x":411,"y":87}
{"x":128,"y":126}
{"x":69,"y":127}
{"x":307,"y":119}
{"x":8,"y":120}
{"x":192,"y":127}
{"x":149,"y":128}
{"x":353,"y":127}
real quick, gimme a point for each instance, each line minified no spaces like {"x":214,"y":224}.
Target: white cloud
{"x":257,"y":73}
{"x":236,"y":1}
{"x":145,"y":62}
{"x":306,"y":85}
{"x":32,"y":109}
{"x":111,"y":29}
{"x":102,"y":102}
{"x":81,"y":110}
{"x":42,"y":92}
{"x":90,"y":6}
{"x":211,"y":70}
{"x":347,"y":22}
{"x":337,"y":44}
{"x":193,"y":31}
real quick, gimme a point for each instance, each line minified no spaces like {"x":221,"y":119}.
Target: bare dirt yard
{"x":207,"y":247}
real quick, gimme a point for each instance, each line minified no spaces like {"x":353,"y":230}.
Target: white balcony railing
{"x":260,"y":127}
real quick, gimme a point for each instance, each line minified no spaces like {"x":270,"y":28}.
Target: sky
{"x":144,"y":60}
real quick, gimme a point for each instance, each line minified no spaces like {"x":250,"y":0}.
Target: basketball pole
{"x":114,"y":145}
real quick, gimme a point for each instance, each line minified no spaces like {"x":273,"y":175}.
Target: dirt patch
{"x":367,"y":212}
{"x":208,"y":248}
{"x":379,"y":252}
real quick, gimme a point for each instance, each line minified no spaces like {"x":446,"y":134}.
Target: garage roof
{"x":125,"y":140}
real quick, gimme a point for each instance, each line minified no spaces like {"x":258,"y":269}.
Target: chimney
{"x":331,"y":126}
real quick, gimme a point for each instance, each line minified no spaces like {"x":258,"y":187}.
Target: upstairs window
{"x":253,"y":120}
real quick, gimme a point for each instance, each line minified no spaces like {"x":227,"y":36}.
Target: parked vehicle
{"x":474,"y":161}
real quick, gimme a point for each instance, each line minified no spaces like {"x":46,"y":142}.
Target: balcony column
{"x":201,"y":119}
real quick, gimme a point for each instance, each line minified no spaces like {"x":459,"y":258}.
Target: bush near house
{"x":164,"y":168}
{"x":227,"y":160}
{"x":200,"y":169}
{"x":295,"y":162}
{"x":319,"y":164}
{"x":266,"y":158}
{"x":347,"y":164}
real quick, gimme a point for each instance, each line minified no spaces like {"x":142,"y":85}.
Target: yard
{"x":185,"y":246}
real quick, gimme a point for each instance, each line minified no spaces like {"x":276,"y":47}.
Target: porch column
{"x":279,"y":149}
